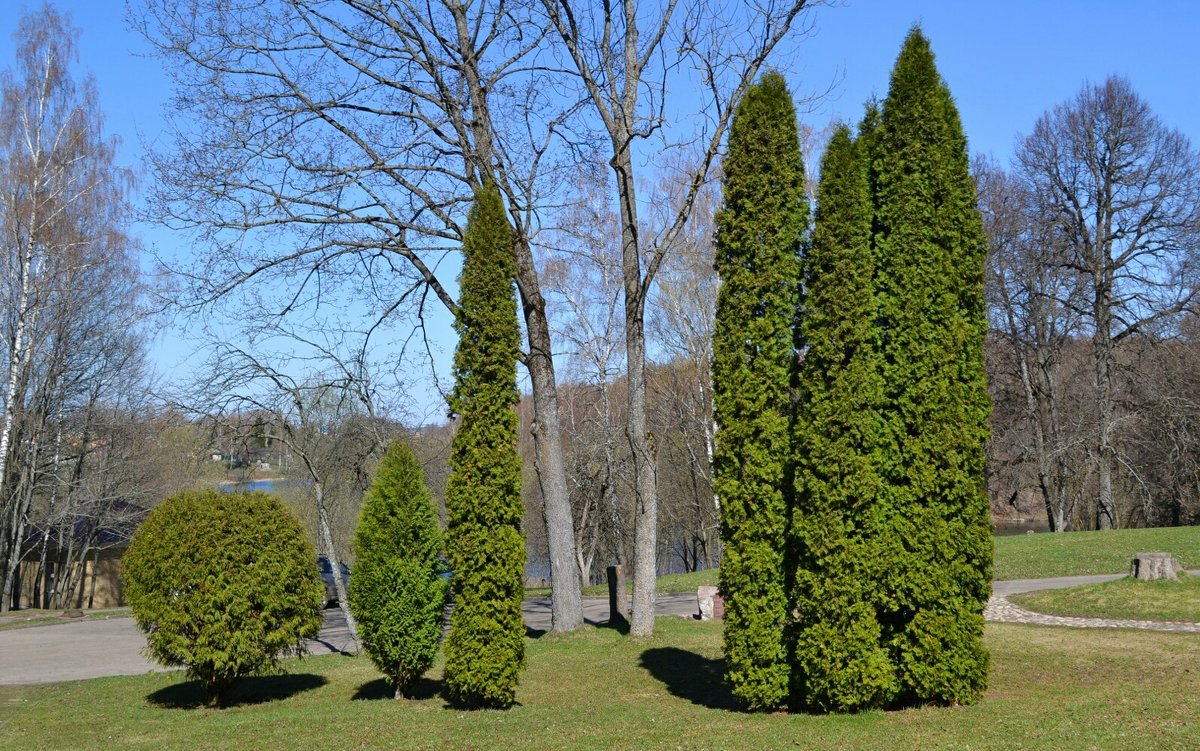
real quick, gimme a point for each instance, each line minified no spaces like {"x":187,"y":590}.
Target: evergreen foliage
{"x":760,"y":229}
{"x":485,"y":648}
{"x":933,"y":528}
{"x":839,"y":661}
{"x":223,"y":584}
{"x":397,"y":596}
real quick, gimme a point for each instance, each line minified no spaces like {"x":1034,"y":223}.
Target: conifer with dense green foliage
{"x":397,"y":596}
{"x":485,"y":649}
{"x":933,"y":527}
{"x":839,"y":662}
{"x":760,"y":229}
{"x":222,"y":584}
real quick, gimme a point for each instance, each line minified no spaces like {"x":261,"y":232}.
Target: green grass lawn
{"x":1122,"y":599}
{"x":596,"y":689}
{"x":1078,"y":553}
{"x":1021,"y":556}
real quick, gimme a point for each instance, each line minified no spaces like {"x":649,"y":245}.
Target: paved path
{"x":1000,"y":609}
{"x":95,"y":648}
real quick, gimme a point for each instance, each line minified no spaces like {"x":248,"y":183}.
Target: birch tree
{"x":62,"y":208}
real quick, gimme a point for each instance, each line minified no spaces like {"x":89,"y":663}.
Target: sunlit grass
{"x":1126,"y":599}
{"x":1078,"y":553}
{"x":597,"y":689}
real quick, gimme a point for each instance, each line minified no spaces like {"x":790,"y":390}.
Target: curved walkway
{"x":89,"y":649}
{"x":1000,"y":609}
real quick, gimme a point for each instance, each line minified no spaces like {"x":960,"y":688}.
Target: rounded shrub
{"x":223,"y":584}
{"x":397,"y":596}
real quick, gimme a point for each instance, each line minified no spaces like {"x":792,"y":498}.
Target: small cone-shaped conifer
{"x":485,"y":649}
{"x":760,"y":229}
{"x":840,"y":663}
{"x":934,"y":535}
{"x":397,"y":596}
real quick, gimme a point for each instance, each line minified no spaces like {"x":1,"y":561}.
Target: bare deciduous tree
{"x":1035,"y":302}
{"x":67,"y":295}
{"x":352,"y":134}
{"x":1120,"y":192}
{"x":321,"y":408}
{"x":626,"y":56}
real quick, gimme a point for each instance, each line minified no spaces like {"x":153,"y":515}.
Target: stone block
{"x":1154,"y":566}
{"x":710,"y":603}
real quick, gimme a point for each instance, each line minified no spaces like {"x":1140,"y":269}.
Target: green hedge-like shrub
{"x":932,"y":535}
{"x":760,"y":228}
{"x":839,"y":662}
{"x":223,"y":584}
{"x":396,"y":594}
{"x":485,"y":649}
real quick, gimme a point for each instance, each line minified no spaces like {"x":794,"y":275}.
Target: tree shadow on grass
{"x":617,"y":623}
{"x":255,"y":689}
{"x":690,"y":676}
{"x":425,"y":688}
{"x":534,"y":633}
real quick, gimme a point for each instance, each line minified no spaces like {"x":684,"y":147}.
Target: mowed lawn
{"x":1034,"y":556}
{"x":1078,"y":553}
{"x":1050,"y":689}
{"x":1125,"y":599}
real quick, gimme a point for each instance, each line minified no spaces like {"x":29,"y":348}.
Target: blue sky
{"x":1005,"y":63}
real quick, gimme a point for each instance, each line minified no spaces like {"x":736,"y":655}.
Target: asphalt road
{"x":96,"y":648}
{"x":92,"y":649}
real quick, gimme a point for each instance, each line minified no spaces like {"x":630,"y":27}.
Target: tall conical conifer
{"x":840,"y":662}
{"x":760,"y":229}
{"x":485,"y":648}
{"x":934,"y":530}
{"x":397,"y":596}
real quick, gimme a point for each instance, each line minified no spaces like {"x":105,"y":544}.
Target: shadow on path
{"x":690,"y":676}
{"x":255,"y":689}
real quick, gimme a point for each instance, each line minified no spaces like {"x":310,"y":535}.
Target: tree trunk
{"x":566,"y":601}
{"x":335,"y":563}
{"x":20,"y":502}
{"x":641,"y":442}
{"x":1102,"y":345}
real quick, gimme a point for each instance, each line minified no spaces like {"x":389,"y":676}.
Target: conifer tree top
{"x":489,"y":338}
{"x":917,"y":94}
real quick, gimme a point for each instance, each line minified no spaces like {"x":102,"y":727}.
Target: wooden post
{"x":618,"y":597}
